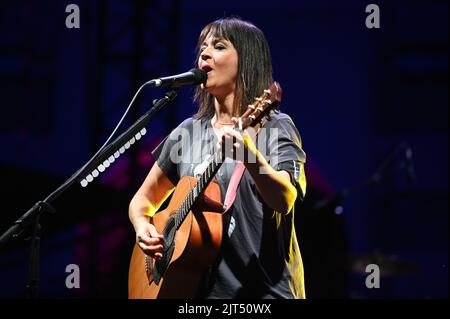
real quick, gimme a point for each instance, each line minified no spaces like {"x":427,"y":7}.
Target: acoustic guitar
{"x":191,"y":225}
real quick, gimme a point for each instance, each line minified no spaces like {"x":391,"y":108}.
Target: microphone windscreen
{"x":200,"y":76}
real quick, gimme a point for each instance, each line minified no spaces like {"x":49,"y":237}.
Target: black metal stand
{"x":30,"y":220}
{"x":33,"y":272}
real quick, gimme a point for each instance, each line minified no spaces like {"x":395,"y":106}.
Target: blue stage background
{"x":357,"y":95}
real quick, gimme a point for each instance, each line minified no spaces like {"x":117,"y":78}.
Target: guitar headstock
{"x":261,"y":107}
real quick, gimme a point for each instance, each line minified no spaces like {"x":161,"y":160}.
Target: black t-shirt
{"x":260,"y":257}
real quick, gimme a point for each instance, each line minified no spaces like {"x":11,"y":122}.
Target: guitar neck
{"x":204,"y":180}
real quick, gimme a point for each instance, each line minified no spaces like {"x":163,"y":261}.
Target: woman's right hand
{"x":148,"y":239}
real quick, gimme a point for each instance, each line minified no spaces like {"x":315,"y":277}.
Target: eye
{"x":220,"y":46}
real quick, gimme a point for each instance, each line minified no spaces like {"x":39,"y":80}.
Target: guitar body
{"x":197,"y":242}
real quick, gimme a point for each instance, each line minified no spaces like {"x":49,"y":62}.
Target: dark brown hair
{"x":254,"y":63}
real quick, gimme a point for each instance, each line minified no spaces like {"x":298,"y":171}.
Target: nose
{"x":205,"y":54}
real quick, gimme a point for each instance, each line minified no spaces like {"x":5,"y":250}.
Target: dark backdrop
{"x":361,"y":98}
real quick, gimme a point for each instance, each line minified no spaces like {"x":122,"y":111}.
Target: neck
{"x":224,"y":109}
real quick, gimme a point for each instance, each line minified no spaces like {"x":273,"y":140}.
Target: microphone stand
{"x":30,"y":220}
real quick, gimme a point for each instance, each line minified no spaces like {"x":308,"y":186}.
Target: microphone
{"x":193,"y":76}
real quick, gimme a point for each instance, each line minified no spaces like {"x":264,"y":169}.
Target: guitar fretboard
{"x":203,"y":182}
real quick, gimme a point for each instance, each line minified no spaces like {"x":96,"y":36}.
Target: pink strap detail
{"x":232,"y":186}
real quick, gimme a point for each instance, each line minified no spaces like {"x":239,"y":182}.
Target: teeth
{"x":111,"y":159}
{"x":122,"y":150}
{"x":89,"y":178}
{"x":143,"y":131}
{"x":101,"y":168}
{"x":95,"y":173}
{"x":138,"y":136}
{"x":116,"y":154}
{"x":127,"y":145}
{"x":132,"y":141}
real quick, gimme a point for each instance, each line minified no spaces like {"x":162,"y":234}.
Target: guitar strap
{"x":232,"y":186}
{"x":236,"y":179}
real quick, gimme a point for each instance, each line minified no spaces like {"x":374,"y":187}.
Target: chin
{"x":208,"y":88}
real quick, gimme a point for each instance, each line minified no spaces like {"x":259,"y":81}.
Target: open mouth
{"x":207,"y":68}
